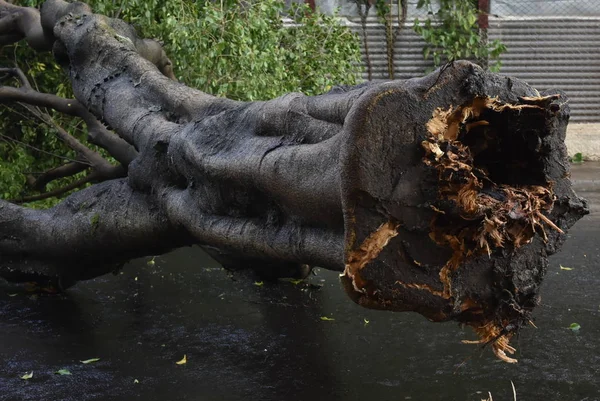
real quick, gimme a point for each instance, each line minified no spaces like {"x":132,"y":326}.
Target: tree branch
{"x":57,"y":192}
{"x":97,"y":133}
{"x":94,"y":176}
{"x":66,"y":170}
{"x":18,"y":23}
{"x":102,"y":169}
{"x":110,"y":213}
{"x":17,"y":73}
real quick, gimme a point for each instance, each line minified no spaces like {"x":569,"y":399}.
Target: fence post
{"x":483,"y":22}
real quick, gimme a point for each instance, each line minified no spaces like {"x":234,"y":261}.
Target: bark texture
{"x":442,"y":195}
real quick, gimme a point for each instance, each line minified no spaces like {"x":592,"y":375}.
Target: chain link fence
{"x":527,"y":9}
{"x":553,"y":44}
{"x":550,"y":44}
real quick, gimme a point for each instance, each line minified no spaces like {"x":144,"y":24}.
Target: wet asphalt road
{"x":268,"y":342}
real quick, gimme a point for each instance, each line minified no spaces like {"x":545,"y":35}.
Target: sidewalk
{"x":584,"y":138}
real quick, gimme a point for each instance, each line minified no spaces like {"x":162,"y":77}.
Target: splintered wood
{"x":369,"y":250}
{"x":484,"y":215}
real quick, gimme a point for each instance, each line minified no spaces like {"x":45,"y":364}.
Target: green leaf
{"x":574,"y":326}
{"x":90,"y":360}
{"x":259,"y":283}
{"x":63,"y":372}
{"x":327,"y":319}
{"x":577,"y":158}
{"x":565,"y":268}
{"x":27,"y":376}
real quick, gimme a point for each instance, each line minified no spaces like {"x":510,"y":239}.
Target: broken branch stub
{"x":472,"y":175}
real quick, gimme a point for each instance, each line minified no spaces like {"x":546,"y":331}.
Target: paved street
{"x":247,"y":341}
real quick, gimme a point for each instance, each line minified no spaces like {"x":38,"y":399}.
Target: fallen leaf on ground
{"x":327,"y":318}
{"x":63,"y":372}
{"x":27,"y":376}
{"x":574,"y":326}
{"x":565,"y":268}
{"x":183,"y":360}
{"x":258,"y":283}
{"x":90,"y":360}
{"x":136,"y":381}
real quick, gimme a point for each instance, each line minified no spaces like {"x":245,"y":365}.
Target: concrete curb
{"x":585,"y":139}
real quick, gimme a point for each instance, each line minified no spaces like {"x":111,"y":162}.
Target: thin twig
{"x":56,"y":192}
{"x":40,"y":150}
{"x":442,"y":70}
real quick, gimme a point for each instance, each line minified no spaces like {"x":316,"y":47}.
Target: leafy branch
{"x":451,"y":33}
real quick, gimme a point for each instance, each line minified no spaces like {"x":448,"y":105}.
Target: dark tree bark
{"x":442,"y":195}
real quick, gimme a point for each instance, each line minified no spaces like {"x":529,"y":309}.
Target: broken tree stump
{"x":442,"y":195}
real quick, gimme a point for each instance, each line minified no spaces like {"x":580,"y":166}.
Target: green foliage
{"x":577,"y":158}
{"x":240,"y":50}
{"x":452,"y":33}
{"x":243,"y":51}
{"x":27,"y":145}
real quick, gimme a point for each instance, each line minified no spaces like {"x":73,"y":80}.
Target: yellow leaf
{"x":183,"y":361}
{"x":27,"y":376}
{"x":366,"y":321}
{"x":327,"y":319}
{"x":136,"y":381}
{"x":258,"y":283}
{"x":565,"y":268}
{"x":90,"y":360}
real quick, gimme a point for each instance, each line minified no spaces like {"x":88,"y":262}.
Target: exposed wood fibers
{"x":490,"y":223}
{"x":487,"y":223}
{"x":494,"y":335}
{"x":368,"y":250}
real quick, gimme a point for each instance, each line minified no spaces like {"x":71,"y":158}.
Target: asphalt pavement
{"x":248,"y":340}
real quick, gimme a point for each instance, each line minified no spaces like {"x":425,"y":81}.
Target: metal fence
{"x":550,"y":44}
{"x":553,"y":43}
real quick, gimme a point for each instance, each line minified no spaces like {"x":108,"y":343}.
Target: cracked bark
{"x":368,"y":180}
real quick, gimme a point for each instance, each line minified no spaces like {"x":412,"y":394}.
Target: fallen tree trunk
{"x":442,"y":195}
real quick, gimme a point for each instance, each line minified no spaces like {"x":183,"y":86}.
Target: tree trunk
{"x":442,"y":195}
